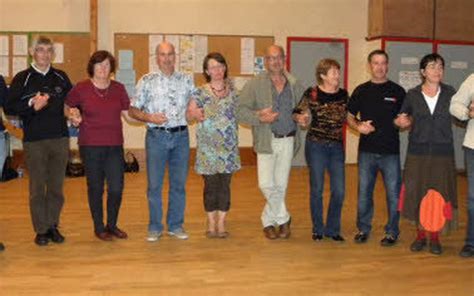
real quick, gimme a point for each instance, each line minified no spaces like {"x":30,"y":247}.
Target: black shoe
{"x":361,"y":237}
{"x":2,"y":247}
{"x":42,"y":239}
{"x":418,"y":245}
{"x":435,"y":248}
{"x":467,"y":251}
{"x":389,"y":240}
{"x":336,"y":238}
{"x":55,"y":236}
{"x":317,"y":237}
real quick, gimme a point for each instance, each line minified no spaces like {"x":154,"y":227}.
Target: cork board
{"x":75,"y":54}
{"x":229,"y":46}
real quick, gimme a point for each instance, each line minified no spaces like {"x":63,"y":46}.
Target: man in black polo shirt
{"x":377,"y":102}
{"x":37,"y":95}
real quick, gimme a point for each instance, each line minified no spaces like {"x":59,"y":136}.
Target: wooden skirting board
{"x":247,"y":156}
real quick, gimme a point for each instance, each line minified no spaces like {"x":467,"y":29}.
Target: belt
{"x":290,"y":134}
{"x":171,"y":129}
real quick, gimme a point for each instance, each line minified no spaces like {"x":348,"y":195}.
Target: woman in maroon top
{"x":101,"y":102}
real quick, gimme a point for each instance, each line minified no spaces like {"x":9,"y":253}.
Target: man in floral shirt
{"x":161,"y":100}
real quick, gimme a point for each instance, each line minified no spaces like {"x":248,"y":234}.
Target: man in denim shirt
{"x":266,"y":103}
{"x":161,"y":100}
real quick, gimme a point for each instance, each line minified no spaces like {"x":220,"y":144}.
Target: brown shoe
{"x":104,"y":235}
{"x":117,"y":232}
{"x":285,"y":230}
{"x":270,"y":232}
{"x":211,"y":234}
{"x":223,"y":234}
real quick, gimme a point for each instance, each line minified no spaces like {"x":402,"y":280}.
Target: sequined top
{"x":328,"y":114}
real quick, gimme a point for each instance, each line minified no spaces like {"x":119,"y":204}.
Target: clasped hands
{"x":267,"y":115}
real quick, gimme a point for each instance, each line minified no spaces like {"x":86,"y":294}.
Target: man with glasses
{"x":37,"y":95}
{"x":161,"y":100}
{"x":267,"y":103}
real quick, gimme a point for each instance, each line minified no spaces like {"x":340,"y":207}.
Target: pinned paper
{"x":247,"y":55}
{"x":20,"y":45}
{"x":200,"y":52}
{"x":58,"y":53}
{"x":4,"y":50}
{"x":125,"y":59}
{"x":19,"y":64}
{"x":4,"y":71}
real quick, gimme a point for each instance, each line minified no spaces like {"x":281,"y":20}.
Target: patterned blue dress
{"x":217,"y":136}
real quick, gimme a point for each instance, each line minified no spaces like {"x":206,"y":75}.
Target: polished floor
{"x":244,"y":264}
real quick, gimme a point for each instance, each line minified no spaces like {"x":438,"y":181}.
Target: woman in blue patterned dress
{"x":217,"y":155}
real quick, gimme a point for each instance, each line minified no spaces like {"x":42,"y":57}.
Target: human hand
{"x":40,"y":100}
{"x":471,"y":110}
{"x":157,"y":118}
{"x":365,"y":127}
{"x":403,"y":121}
{"x":302,"y":119}
{"x":267,"y":115}
{"x":75,"y":116}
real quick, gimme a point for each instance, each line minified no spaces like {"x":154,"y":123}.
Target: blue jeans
{"x":167,"y":149}
{"x":321,"y":157}
{"x":3,"y":150}
{"x":389,"y":166}
{"x":469,"y":155}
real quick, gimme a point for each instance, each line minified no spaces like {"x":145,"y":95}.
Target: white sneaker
{"x":153,"y":236}
{"x":179,"y":233}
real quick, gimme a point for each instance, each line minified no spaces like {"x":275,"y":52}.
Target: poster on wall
{"x":247,"y":56}
{"x":409,"y":79}
{"x":20,"y":45}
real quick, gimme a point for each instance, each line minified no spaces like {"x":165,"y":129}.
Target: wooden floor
{"x":244,"y":264}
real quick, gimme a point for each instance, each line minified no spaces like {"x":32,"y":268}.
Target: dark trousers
{"x":104,"y":164}
{"x":46,"y":161}
{"x":217,"y":192}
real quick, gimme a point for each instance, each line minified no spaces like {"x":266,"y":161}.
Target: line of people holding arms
{"x":277,"y":107}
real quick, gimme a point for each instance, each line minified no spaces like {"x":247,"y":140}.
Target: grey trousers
{"x":46,"y":161}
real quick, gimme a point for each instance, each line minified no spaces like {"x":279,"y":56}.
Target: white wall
{"x":278,"y":18}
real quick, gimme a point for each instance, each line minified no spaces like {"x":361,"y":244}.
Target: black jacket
{"x":49,"y":122}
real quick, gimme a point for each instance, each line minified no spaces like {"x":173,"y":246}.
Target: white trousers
{"x":273,"y":173}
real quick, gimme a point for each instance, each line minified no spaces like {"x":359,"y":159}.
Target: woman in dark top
{"x":429,"y":166}
{"x":101,"y":102}
{"x":324,"y":149}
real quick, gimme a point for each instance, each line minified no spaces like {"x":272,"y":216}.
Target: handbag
{"x":75,"y":168}
{"x":8,"y":172}
{"x":131,"y":163}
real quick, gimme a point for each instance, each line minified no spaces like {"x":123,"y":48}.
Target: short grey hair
{"x":42,"y":40}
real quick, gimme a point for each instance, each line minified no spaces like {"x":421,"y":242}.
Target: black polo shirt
{"x":381,"y":103}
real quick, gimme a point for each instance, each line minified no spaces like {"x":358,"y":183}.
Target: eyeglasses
{"x":216,"y":67}
{"x":274,"y":58}
{"x":44,"y":50}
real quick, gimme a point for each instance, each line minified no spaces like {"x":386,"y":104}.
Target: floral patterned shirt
{"x":156,"y":92}
{"x":217,"y":136}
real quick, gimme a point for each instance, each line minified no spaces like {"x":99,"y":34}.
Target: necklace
{"x":101,"y":92}
{"x":218,"y":90}
{"x":219,"y":93}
